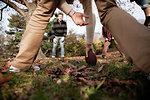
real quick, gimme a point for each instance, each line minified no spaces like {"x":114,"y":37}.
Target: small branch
{"x":2,"y":12}
{"x":12,"y":5}
{"x":27,"y":3}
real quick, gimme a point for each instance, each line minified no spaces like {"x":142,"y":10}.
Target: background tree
{"x":2,"y":7}
{"x":2,"y":37}
{"x":24,"y":7}
{"x":17,"y":22}
{"x":1,"y":27}
{"x":17,"y":26}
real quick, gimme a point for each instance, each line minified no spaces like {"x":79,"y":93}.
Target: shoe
{"x":53,"y":56}
{"x":14,"y":69}
{"x":35,"y":68}
{"x":91,"y":59}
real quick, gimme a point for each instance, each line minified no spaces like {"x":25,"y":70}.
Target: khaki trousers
{"x":89,"y":10}
{"x":33,"y":35}
{"x":133,"y":37}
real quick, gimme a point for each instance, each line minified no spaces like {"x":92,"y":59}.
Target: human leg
{"x":147,"y":22}
{"x":32,"y":38}
{"x":55,"y":43}
{"x":62,"y":42}
{"x":132,"y":36}
{"x":118,"y":47}
{"x":105,"y":48}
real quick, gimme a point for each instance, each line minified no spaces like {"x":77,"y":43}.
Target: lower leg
{"x":33,"y":35}
{"x":105,"y":48}
{"x":118,"y":48}
{"x":55,"y":42}
{"x":147,"y":13}
{"x":132,"y":36}
{"x":62,"y":48}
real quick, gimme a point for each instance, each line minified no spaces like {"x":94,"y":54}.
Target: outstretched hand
{"x":78,"y":19}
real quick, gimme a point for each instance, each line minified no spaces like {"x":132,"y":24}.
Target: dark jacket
{"x":59,"y":29}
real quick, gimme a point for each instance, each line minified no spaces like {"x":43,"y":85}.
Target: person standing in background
{"x":59,"y":31}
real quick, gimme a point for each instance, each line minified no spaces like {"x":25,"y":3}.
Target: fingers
{"x":86,"y":16}
{"x":86,"y":23}
{"x":83,"y":23}
{"x":78,"y":19}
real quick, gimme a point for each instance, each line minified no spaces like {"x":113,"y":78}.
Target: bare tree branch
{"x":13,"y":5}
{"x":2,"y":12}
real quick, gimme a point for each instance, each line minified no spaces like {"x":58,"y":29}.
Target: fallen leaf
{"x":4,"y":79}
{"x":28,"y":76}
{"x":8,"y":77}
{"x":20,"y":73}
{"x":48,"y":70}
{"x":77,"y":74}
{"x":67,"y":61}
{"x":42,"y":66}
{"x":65,"y":80}
{"x":1,"y":67}
{"x":59,"y":81}
{"x":81,"y":68}
{"x":115,"y":81}
{"x":88,"y":82}
{"x":5,"y":70}
{"x":1,"y":78}
{"x":7,"y":64}
{"x":83,"y":80}
{"x":37,"y":61}
{"x":105,"y":62}
{"x":100,"y":68}
{"x":5,"y":85}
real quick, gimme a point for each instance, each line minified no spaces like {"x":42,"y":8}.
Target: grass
{"x":116,"y":83}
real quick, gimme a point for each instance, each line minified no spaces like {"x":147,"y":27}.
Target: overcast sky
{"x":70,"y":24}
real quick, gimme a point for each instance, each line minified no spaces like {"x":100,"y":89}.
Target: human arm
{"x":76,"y":16}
